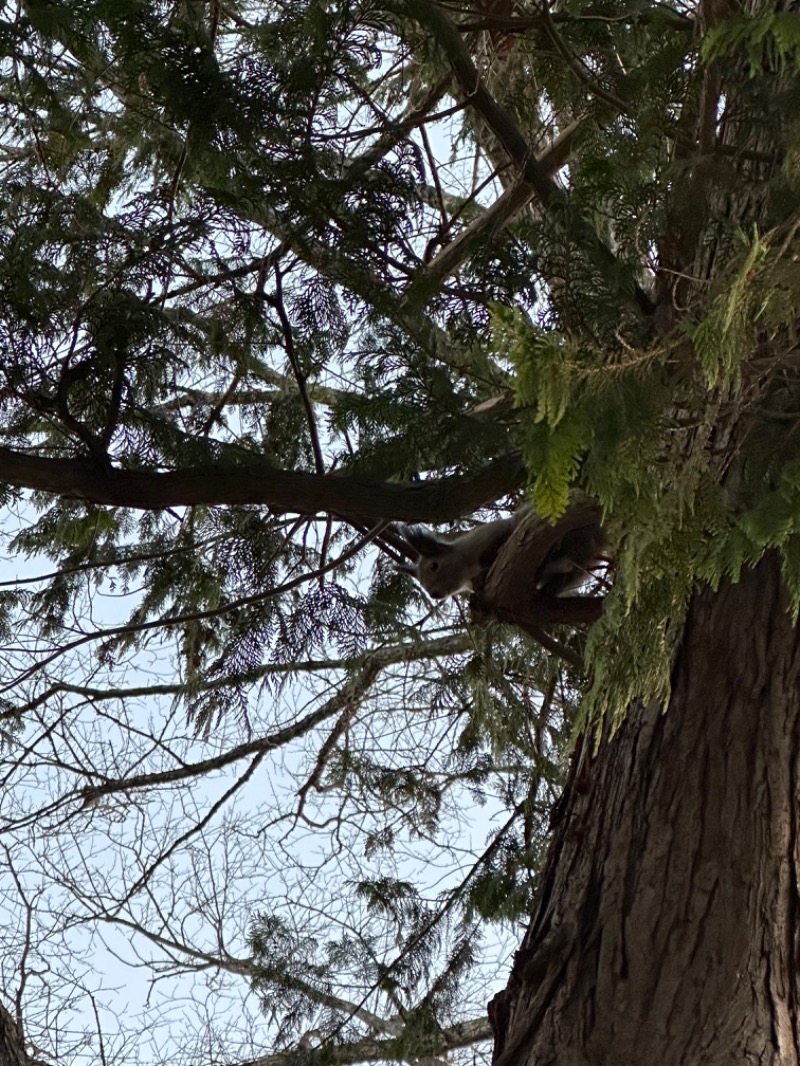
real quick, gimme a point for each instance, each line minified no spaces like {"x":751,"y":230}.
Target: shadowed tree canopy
{"x":276,"y":274}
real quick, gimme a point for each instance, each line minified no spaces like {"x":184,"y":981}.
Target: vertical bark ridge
{"x":667,"y":926}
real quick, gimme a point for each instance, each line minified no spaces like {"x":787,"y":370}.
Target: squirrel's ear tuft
{"x":423,"y":542}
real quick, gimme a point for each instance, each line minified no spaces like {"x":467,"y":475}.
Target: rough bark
{"x":667,"y":928}
{"x":12,"y":1044}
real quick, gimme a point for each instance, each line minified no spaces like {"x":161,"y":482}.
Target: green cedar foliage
{"x":639,"y":429}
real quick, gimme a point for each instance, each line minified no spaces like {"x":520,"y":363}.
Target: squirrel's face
{"x":445,"y":575}
{"x":446,"y":567}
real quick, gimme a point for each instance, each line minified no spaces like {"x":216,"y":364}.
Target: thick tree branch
{"x":439,"y":500}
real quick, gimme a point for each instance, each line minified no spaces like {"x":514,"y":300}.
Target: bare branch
{"x":494,"y":218}
{"x":351,"y":693}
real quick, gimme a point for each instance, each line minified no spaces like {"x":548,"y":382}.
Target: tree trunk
{"x":12,"y":1044}
{"x":666,"y":930}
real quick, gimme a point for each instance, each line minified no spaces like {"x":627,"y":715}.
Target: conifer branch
{"x":519,"y":23}
{"x":171,"y":621}
{"x":250,"y":968}
{"x":494,"y":219}
{"x":423,"y":650}
{"x":579,"y":68}
{"x":436,"y":500}
{"x":462,"y":1034}
{"x":551,"y":196}
{"x":351,"y":692}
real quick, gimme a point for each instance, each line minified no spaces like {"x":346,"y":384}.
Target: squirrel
{"x":447,"y":566}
